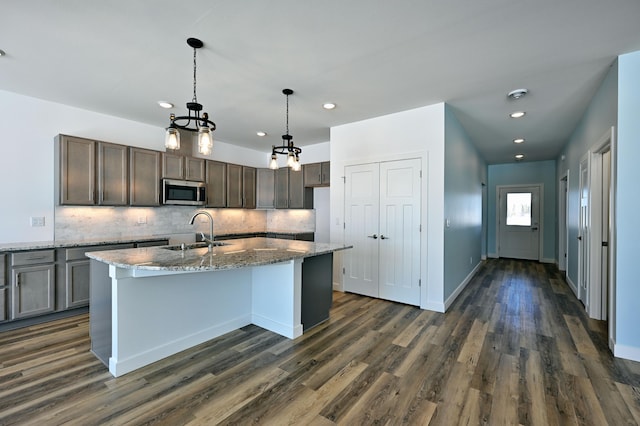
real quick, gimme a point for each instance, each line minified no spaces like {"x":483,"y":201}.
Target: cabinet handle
{"x":18,"y":279}
{"x":37,"y":258}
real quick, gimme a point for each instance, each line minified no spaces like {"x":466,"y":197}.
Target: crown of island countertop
{"x":238,"y":253}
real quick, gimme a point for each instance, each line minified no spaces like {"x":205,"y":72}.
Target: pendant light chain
{"x":287,"y":124}
{"x":195,"y":97}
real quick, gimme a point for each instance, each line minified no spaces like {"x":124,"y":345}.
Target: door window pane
{"x":519,"y":209}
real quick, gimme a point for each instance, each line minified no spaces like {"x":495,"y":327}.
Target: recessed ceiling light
{"x":519,"y":156}
{"x":518,"y":140}
{"x":165,"y":104}
{"x":329,"y":105}
{"x":517,"y":94}
{"x":261,"y":134}
{"x":517,"y":114}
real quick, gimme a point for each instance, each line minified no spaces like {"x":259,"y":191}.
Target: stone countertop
{"x":234,"y":254}
{"x":40,"y":245}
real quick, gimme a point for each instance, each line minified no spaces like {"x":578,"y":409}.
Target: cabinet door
{"x":216,"y":184}
{"x":172,"y":166}
{"x":3,"y":304}
{"x":296,"y":190}
{"x":33,"y":290}
{"x":144,"y":182}
{"x":249,"y":187}
{"x":194,"y":169}
{"x":234,"y":186}
{"x":282,"y":188}
{"x":265,"y":197}
{"x":75,"y":180}
{"x":113,"y":174}
{"x":77,"y":283}
{"x":312,"y":174}
{"x":325,"y":171}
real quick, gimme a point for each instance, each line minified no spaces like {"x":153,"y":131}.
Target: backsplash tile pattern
{"x":74,"y":223}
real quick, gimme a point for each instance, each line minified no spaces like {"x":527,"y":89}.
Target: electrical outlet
{"x":142,"y":220}
{"x":37,"y":221}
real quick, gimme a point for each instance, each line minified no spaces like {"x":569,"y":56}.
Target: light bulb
{"x":172,"y":138}
{"x":205,"y":141}
{"x":273,"y":163}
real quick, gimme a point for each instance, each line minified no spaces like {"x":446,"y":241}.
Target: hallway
{"x":515,"y":348}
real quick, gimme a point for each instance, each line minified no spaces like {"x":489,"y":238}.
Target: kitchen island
{"x":149,"y":303}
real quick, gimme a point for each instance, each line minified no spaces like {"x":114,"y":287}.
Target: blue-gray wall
{"x":627,"y":334}
{"x":535,"y":172}
{"x":600,"y":115}
{"x":465,"y":171}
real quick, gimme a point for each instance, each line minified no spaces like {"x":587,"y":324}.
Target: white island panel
{"x":157,"y":316}
{"x":276,"y":298}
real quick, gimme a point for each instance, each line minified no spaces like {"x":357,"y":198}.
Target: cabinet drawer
{"x":77,"y":253}
{"x":33,"y":257}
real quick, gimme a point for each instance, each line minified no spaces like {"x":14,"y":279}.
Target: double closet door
{"x":382,"y":222}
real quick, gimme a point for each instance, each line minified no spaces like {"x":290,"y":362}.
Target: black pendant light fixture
{"x":288,"y":148}
{"x":192,"y":122}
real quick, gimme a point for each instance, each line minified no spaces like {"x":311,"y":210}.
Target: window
{"x":519,"y":209}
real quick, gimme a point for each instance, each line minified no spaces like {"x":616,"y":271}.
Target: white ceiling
{"x":371,"y":58}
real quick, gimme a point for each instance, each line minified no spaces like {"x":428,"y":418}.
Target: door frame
{"x":563,"y":220}
{"x":584,"y":238}
{"x":596,"y":309}
{"x":540,"y":215}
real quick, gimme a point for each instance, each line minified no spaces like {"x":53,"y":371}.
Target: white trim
{"x":461,"y":287}
{"x":492,"y":255}
{"x":563,"y":229}
{"x":574,"y":288}
{"x":626,"y":352}
{"x":548,"y":260}
{"x":434,"y":306}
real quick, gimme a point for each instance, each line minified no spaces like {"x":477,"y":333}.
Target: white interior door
{"x":583,"y":233}
{"x":519,"y":224}
{"x":562,"y":224}
{"x":362,"y":193}
{"x":400,"y":231}
{"x":606,"y":200}
{"x":382,"y":222}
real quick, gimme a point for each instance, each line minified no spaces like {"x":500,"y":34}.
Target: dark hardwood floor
{"x":515,"y":348}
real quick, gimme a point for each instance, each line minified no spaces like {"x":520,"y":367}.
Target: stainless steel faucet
{"x":193,"y":218}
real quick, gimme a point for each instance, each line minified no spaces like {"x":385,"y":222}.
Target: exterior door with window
{"x":519,"y":223}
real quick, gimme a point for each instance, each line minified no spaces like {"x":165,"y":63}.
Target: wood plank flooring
{"x":515,"y":348}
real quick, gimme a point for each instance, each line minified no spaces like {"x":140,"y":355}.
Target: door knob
{"x":382,"y":237}
{"x":374,"y":236}
{"x":579,"y":238}
{"x":535,"y":228}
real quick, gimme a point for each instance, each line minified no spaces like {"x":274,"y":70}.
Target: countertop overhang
{"x":238,"y":253}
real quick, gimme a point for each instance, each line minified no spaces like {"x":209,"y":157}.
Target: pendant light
{"x":192,"y":122}
{"x":287,"y":148}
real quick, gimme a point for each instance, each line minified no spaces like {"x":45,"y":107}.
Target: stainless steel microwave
{"x":184,"y":192}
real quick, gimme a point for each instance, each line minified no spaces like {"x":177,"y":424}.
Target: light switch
{"x":37,"y":221}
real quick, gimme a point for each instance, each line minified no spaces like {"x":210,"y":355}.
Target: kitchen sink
{"x":192,"y":246}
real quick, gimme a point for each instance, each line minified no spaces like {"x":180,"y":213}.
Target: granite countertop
{"x":9,"y":247}
{"x":234,"y":254}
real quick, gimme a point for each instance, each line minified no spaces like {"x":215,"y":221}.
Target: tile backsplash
{"x":73,"y":223}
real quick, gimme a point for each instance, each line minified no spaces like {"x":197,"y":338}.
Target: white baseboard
{"x":433,"y":306}
{"x":286,"y":330}
{"x":574,"y":287}
{"x":483,"y":257}
{"x":461,"y":287}
{"x":547,"y":260}
{"x":492,"y":255}
{"x":118,"y":367}
{"x":627,"y":352}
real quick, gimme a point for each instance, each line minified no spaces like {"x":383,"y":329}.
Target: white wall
{"x":417,"y":133}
